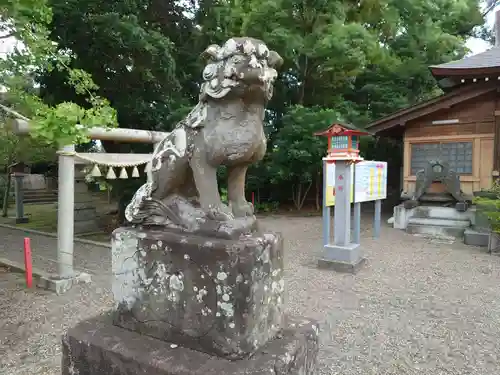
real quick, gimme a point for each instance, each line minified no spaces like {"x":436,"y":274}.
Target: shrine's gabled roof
{"x":446,"y":101}
{"x":481,"y":63}
{"x":338,"y":128}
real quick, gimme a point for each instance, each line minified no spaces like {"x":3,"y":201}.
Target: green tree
{"x":14,"y":149}
{"x":295,"y":160}
{"x":129,"y":48}
{"x":364,"y":58}
{"x":413,"y":34}
{"x":27,"y":21}
{"x":360,"y":59}
{"x":126,"y":47}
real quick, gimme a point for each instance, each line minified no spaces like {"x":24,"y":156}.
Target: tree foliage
{"x":342,"y":59}
{"x":295,"y":159}
{"x":28,"y":21}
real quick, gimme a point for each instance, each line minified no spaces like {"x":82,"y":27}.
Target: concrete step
{"x":40,"y":201}
{"x":46,"y":198}
{"x":440,"y":222}
{"x":436,"y":212}
{"x":42,"y":193}
{"x":436,"y":231}
{"x":37,"y":197}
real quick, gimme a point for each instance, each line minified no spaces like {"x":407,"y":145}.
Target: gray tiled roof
{"x":487,"y":59}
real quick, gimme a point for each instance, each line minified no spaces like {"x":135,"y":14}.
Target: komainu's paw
{"x":242,"y":208}
{"x":220,"y":212}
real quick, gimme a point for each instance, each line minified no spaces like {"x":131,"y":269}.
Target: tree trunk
{"x":302,"y":89}
{"x":296,"y":196}
{"x":5,"y":208}
{"x":304,"y":196}
{"x":299,"y":197}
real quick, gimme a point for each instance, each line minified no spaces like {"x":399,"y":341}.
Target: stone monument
{"x":198,"y":286}
{"x":85,"y":207}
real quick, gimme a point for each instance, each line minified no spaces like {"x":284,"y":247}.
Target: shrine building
{"x":461,"y":127}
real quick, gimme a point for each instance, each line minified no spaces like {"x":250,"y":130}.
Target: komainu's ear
{"x":274,"y":60}
{"x":211,"y":52}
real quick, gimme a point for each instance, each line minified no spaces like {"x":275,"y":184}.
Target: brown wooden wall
{"x":477,"y":125}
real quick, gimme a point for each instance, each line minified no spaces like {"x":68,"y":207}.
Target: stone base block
{"x":342,"y":258}
{"x":476,"y":238}
{"x":87,"y":226}
{"x":224,"y":297}
{"x":350,"y":253}
{"x":22,"y":220}
{"x":60,"y":286}
{"x":97,"y":347}
{"x":341,"y":266}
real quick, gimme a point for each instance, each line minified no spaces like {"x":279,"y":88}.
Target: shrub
{"x":489,"y":205}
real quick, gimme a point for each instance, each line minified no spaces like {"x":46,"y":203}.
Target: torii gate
{"x":66,"y":180}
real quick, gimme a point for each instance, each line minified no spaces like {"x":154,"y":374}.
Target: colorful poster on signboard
{"x":368,"y":182}
{"x":330,"y":184}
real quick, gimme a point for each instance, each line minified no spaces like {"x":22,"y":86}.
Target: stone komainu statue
{"x":437,"y":171}
{"x":224,"y":128}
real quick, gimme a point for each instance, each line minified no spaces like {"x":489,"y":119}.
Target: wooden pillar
{"x":496,"y":140}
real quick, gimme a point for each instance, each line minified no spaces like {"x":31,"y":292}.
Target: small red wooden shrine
{"x":343,"y":142}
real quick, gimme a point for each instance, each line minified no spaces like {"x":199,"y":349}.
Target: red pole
{"x":27,"y":262}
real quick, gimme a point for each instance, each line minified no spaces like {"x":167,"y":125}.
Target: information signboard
{"x":368,"y":182}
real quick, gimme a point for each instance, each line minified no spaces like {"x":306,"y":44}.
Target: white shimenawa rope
{"x":112,"y":161}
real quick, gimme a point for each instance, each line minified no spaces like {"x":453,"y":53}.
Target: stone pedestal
{"x":194,"y":305}
{"x":97,"y":347}
{"x":223,"y":297}
{"x":433,"y":221}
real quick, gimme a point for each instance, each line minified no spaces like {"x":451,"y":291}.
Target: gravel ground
{"x":418,"y":307}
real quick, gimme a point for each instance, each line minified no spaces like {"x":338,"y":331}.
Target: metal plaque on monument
{"x":198,"y":286}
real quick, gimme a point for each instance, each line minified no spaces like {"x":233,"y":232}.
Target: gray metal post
{"x":357,"y":223}
{"x":326,"y":209}
{"x":342,"y":219}
{"x":65,"y":212}
{"x":377,"y":219}
{"x":357,"y":212}
{"x":19,"y":192}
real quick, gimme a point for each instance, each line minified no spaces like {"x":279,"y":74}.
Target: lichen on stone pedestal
{"x":96,"y":347}
{"x":220,"y":296}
